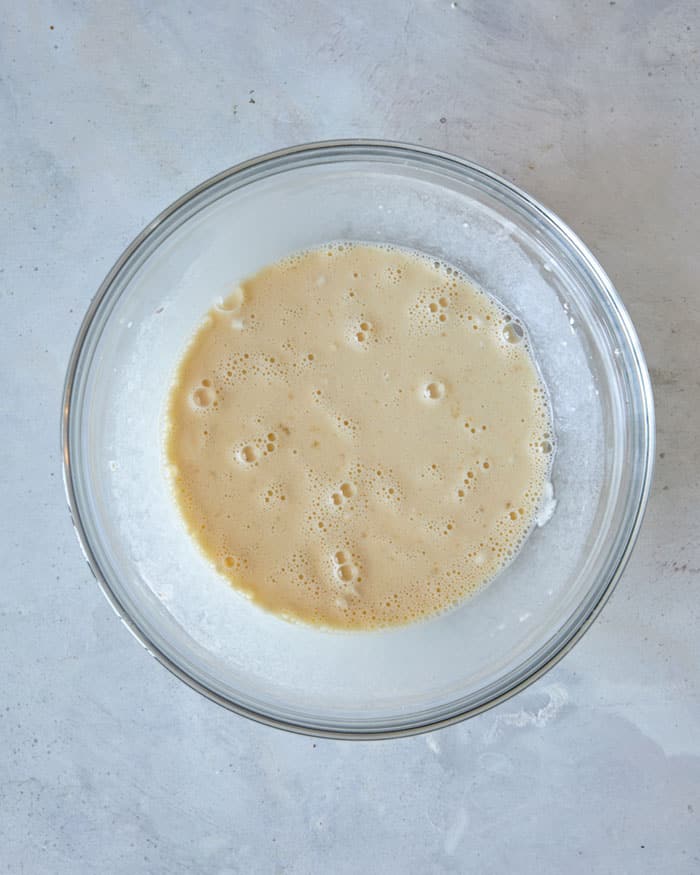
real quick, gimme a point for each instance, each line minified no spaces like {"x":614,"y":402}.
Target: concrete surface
{"x":110,"y":111}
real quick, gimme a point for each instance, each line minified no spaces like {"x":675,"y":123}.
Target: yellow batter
{"x":358,"y":437}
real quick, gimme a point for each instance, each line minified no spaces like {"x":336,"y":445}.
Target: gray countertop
{"x":108,"y":112}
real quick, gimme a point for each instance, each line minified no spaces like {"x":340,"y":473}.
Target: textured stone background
{"x":109,"y":111}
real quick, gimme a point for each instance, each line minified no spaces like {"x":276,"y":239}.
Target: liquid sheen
{"x":358,"y":437}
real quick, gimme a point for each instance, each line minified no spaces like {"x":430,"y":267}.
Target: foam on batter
{"x":358,"y":437}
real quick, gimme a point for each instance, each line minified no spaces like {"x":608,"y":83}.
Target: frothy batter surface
{"x":358,"y":437}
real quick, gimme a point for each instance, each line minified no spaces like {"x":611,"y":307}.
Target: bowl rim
{"x":647,"y":458}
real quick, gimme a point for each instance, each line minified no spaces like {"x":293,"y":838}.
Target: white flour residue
{"x":433,"y":743}
{"x":547,"y":506}
{"x":558,"y":698}
{"x":454,"y":834}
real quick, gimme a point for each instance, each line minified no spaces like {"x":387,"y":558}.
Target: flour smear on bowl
{"x":357,"y":437}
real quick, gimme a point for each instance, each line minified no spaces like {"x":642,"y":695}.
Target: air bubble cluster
{"x":345,"y":492}
{"x":345,"y":569}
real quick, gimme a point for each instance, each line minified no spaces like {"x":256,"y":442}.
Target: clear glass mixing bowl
{"x":379,"y":683}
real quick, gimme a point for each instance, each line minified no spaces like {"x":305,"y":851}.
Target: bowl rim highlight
{"x":343,"y":150}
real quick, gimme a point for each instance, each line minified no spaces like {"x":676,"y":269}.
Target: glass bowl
{"x":386,"y":682}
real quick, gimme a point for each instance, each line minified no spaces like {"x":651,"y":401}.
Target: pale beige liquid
{"x":358,"y":437}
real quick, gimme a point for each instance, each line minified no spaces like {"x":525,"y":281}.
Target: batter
{"x":358,"y":437}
